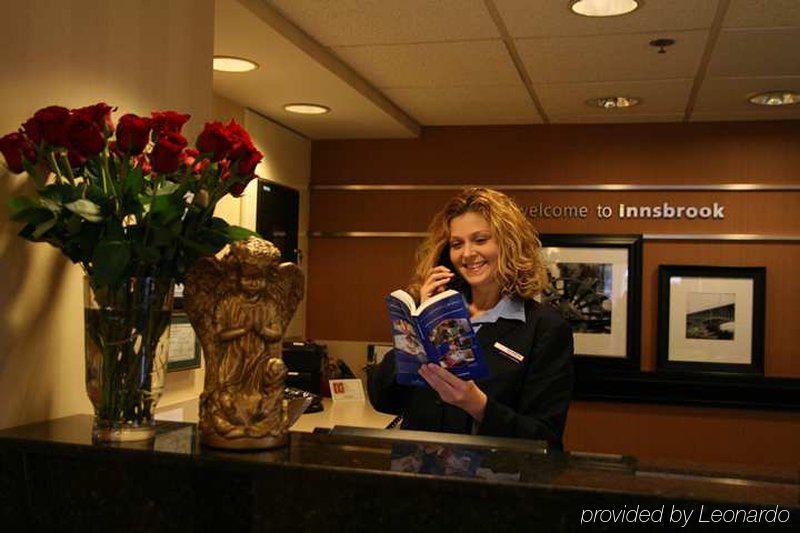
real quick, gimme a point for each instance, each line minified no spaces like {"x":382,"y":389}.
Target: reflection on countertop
{"x":396,"y":453}
{"x":341,"y":413}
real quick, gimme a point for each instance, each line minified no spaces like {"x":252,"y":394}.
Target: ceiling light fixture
{"x":775,"y":98}
{"x":233,"y":64}
{"x":614,"y":102}
{"x":307,"y":109}
{"x":662,"y":44}
{"x":603,"y":8}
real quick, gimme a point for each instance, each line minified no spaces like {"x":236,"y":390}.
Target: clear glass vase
{"x":127,"y":343}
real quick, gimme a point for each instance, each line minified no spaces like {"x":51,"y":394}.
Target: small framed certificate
{"x":184,"y":346}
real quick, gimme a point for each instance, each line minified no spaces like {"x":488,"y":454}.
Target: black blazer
{"x":526,"y":400}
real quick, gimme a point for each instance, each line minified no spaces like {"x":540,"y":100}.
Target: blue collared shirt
{"x":510,"y":307}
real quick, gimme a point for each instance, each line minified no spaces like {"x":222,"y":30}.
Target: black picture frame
{"x":175,"y":364}
{"x":666,"y":360}
{"x":632,"y":244}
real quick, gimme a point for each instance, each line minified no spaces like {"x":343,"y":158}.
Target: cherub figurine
{"x":240,"y":306}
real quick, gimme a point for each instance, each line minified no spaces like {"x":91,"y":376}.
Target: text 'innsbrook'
{"x":663,"y":210}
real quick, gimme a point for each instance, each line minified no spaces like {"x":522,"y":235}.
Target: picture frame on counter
{"x":596,"y":285}
{"x":177,"y":298}
{"x":711,"y":319}
{"x":185,"y":352}
{"x":375,"y":352}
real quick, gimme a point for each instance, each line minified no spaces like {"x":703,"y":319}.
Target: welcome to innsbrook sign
{"x":663,"y":210}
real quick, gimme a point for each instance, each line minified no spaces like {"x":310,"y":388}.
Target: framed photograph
{"x":596,"y":283}
{"x":177,"y":296}
{"x":375,"y":352}
{"x":711,"y":318}
{"x":184,"y":346}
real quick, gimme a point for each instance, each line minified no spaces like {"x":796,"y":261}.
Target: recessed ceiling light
{"x":233,"y":64}
{"x":307,"y":109}
{"x":604,"y":8}
{"x":775,"y":98}
{"x":614,"y":102}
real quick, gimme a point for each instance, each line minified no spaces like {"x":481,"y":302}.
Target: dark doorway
{"x":278,"y":217}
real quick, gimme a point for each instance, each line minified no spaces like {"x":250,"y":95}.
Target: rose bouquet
{"x":134,"y":206}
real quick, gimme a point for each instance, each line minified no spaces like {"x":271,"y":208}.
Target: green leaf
{"x":110,"y":262}
{"x":166,"y":188}
{"x":202,"y":247}
{"x":147,"y":254}
{"x":60,"y":193}
{"x":73,"y":225}
{"x":166,"y":235}
{"x":133,"y":182}
{"x":33,"y":173}
{"x":44,"y":227}
{"x":86,"y":209}
{"x":164,"y":210}
{"x":237,"y":233}
{"x":21,"y":206}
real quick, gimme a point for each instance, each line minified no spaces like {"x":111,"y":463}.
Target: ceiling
{"x":387,"y":67}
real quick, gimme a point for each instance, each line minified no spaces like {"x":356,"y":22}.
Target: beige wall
{"x":139,"y":56}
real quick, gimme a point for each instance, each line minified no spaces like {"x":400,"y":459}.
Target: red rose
{"x":215,"y":140}
{"x":100,"y":114}
{"x":141,"y":161}
{"x":85,"y":137}
{"x":167,"y":151}
{"x":49,"y":125}
{"x":224,"y":170}
{"x":238,"y":133}
{"x":168,"y":121}
{"x":248,"y":159}
{"x":75,"y":159}
{"x":237,"y":189}
{"x":133,"y":133}
{"x":189,"y":156}
{"x":15,"y":147}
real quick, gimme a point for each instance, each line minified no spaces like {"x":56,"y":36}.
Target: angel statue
{"x":240,"y":305}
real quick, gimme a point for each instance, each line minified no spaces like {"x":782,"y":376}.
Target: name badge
{"x":347,"y":390}
{"x":509,"y":353}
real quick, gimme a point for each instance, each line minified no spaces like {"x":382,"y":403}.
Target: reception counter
{"x":53,"y":477}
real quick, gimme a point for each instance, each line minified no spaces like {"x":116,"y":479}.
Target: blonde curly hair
{"x":520,"y":267}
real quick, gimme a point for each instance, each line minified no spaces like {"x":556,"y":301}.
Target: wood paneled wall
{"x":348,"y":277}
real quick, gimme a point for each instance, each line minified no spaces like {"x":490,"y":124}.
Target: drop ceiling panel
{"x":616,"y":119}
{"x":770,"y":52}
{"x":782,"y":114}
{"x":432,"y":64}
{"x":353,"y":22}
{"x":445,"y":106}
{"x":657,"y":98}
{"x":552,"y":18}
{"x":287,"y":74}
{"x":611,"y":57}
{"x":762,"y":13}
{"x":729,"y":95}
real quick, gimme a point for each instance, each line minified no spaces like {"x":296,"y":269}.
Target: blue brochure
{"x":438,"y":331}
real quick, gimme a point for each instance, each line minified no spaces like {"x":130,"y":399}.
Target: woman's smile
{"x":473,"y":250}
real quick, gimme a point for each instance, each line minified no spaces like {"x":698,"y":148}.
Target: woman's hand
{"x":463,"y":394}
{"x":437,"y":279}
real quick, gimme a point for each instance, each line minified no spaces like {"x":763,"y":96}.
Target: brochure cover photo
{"x":438,"y":331}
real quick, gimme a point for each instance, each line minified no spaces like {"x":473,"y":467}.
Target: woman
{"x":483,"y":245}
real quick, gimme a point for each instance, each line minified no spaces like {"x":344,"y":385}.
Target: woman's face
{"x":474,"y":250}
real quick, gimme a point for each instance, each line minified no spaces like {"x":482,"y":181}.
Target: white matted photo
{"x":711,"y":318}
{"x":595,"y":284}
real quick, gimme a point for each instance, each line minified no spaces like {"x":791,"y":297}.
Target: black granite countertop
{"x":53,"y":476}
{"x":473,"y":459}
